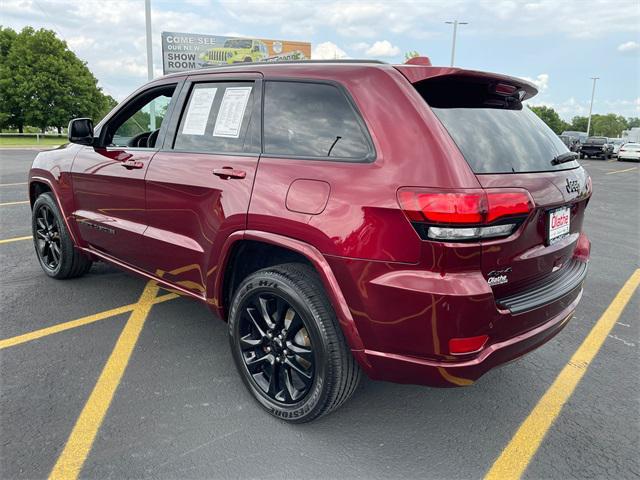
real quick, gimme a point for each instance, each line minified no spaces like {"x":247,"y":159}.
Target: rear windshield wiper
{"x":564,"y":158}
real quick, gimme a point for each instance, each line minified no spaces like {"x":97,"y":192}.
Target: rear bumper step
{"x":547,"y":290}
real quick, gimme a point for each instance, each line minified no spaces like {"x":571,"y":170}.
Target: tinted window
{"x":217,"y":118}
{"x":494,"y":131}
{"x":503,"y":141}
{"x":311,"y":120}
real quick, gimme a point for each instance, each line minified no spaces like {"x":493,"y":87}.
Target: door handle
{"x":131,"y":164}
{"x":229,"y":172}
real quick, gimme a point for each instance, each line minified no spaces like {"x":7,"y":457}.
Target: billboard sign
{"x":189,"y":51}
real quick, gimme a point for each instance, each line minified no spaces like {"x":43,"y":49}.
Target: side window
{"x":138,"y":123}
{"x":312,"y":120}
{"x":216,"y":118}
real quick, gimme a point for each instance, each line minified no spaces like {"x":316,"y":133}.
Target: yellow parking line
{"x":515,"y":458}
{"x":13,"y":203}
{"x":620,"y":171}
{"x":61,"y":327}
{"x":12,"y":184}
{"x":86,"y":428}
{"x":15,"y":239}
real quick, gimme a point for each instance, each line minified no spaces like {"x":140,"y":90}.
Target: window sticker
{"x":231,"y":112}
{"x":199,"y":108}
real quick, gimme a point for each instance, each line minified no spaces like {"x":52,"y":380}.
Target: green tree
{"x":549,"y":116}
{"x":411,"y":54}
{"x":43,"y":83}
{"x":579,"y":124}
{"x":609,"y":125}
{"x":633,"y":122}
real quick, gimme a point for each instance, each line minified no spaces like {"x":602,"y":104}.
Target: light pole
{"x":147,"y":18}
{"x":455,"y":24}
{"x":593,"y":92}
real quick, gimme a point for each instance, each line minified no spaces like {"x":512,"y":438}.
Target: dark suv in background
{"x":411,"y":222}
{"x":596,"y":147}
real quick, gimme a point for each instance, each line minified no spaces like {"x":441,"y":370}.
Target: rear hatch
{"x":511,"y":150}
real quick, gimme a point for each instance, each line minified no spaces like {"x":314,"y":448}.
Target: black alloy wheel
{"x":287,"y":343}
{"x":276,"y":347}
{"x":54,"y":246}
{"x":47,"y":237}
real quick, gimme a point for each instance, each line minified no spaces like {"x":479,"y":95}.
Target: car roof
{"x":413,"y":73}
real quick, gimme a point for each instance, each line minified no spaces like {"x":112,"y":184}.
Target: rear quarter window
{"x":315,"y":120}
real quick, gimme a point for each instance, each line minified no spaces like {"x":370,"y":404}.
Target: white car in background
{"x":617,"y":143}
{"x":629,"y":151}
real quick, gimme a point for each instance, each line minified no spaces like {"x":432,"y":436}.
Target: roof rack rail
{"x":286,"y":62}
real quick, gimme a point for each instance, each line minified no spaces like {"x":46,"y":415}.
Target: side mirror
{"x":81,"y":131}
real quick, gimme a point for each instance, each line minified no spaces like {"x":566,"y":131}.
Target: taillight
{"x":465,"y":215}
{"x":442,"y":207}
{"x":583,"y":248}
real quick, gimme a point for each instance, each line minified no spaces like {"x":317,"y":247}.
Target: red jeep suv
{"x":415,"y":223}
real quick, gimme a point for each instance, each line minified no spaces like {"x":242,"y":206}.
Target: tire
{"x":56,"y":253}
{"x":269,"y":364}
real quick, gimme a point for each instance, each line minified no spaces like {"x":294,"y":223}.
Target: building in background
{"x":632,"y":135}
{"x":189,"y":51}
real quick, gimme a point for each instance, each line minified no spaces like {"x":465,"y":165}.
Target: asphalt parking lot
{"x":181,"y":411}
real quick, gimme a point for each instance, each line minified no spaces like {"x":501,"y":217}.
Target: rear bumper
{"x":628,"y":156}
{"x":407,"y":369}
{"x":594,"y":152}
{"x":406,"y":318}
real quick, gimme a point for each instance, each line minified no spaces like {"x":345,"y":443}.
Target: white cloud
{"x":382,"y":49}
{"x":541,"y":81}
{"x":360,"y":46}
{"x":327,"y":51}
{"x":630,"y":46}
{"x":80,"y":42}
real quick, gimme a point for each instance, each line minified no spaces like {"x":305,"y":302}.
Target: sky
{"x":557,"y":44}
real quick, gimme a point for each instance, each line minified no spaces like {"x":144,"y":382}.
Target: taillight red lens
{"x":451,"y":207}
{"x":461,"y":346}
{"x":507,"y":204}
{"x":583,"y":248}
{"x":477,"y":207}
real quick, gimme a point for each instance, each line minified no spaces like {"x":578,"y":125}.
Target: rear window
{"x":495,"y":133}
{"x":597,"y":140}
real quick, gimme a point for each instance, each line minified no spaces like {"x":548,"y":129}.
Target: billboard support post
{"x":147,"y":17}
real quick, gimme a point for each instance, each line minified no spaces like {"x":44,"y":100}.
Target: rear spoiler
{"x":420,"y":73}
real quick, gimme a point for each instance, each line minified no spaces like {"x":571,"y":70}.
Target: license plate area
{"x":558,"y":224}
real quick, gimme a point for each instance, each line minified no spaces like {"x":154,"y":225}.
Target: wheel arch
{"x":273,"y":249}
{"x":39,"y":185}
{"x":37,"y":188}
